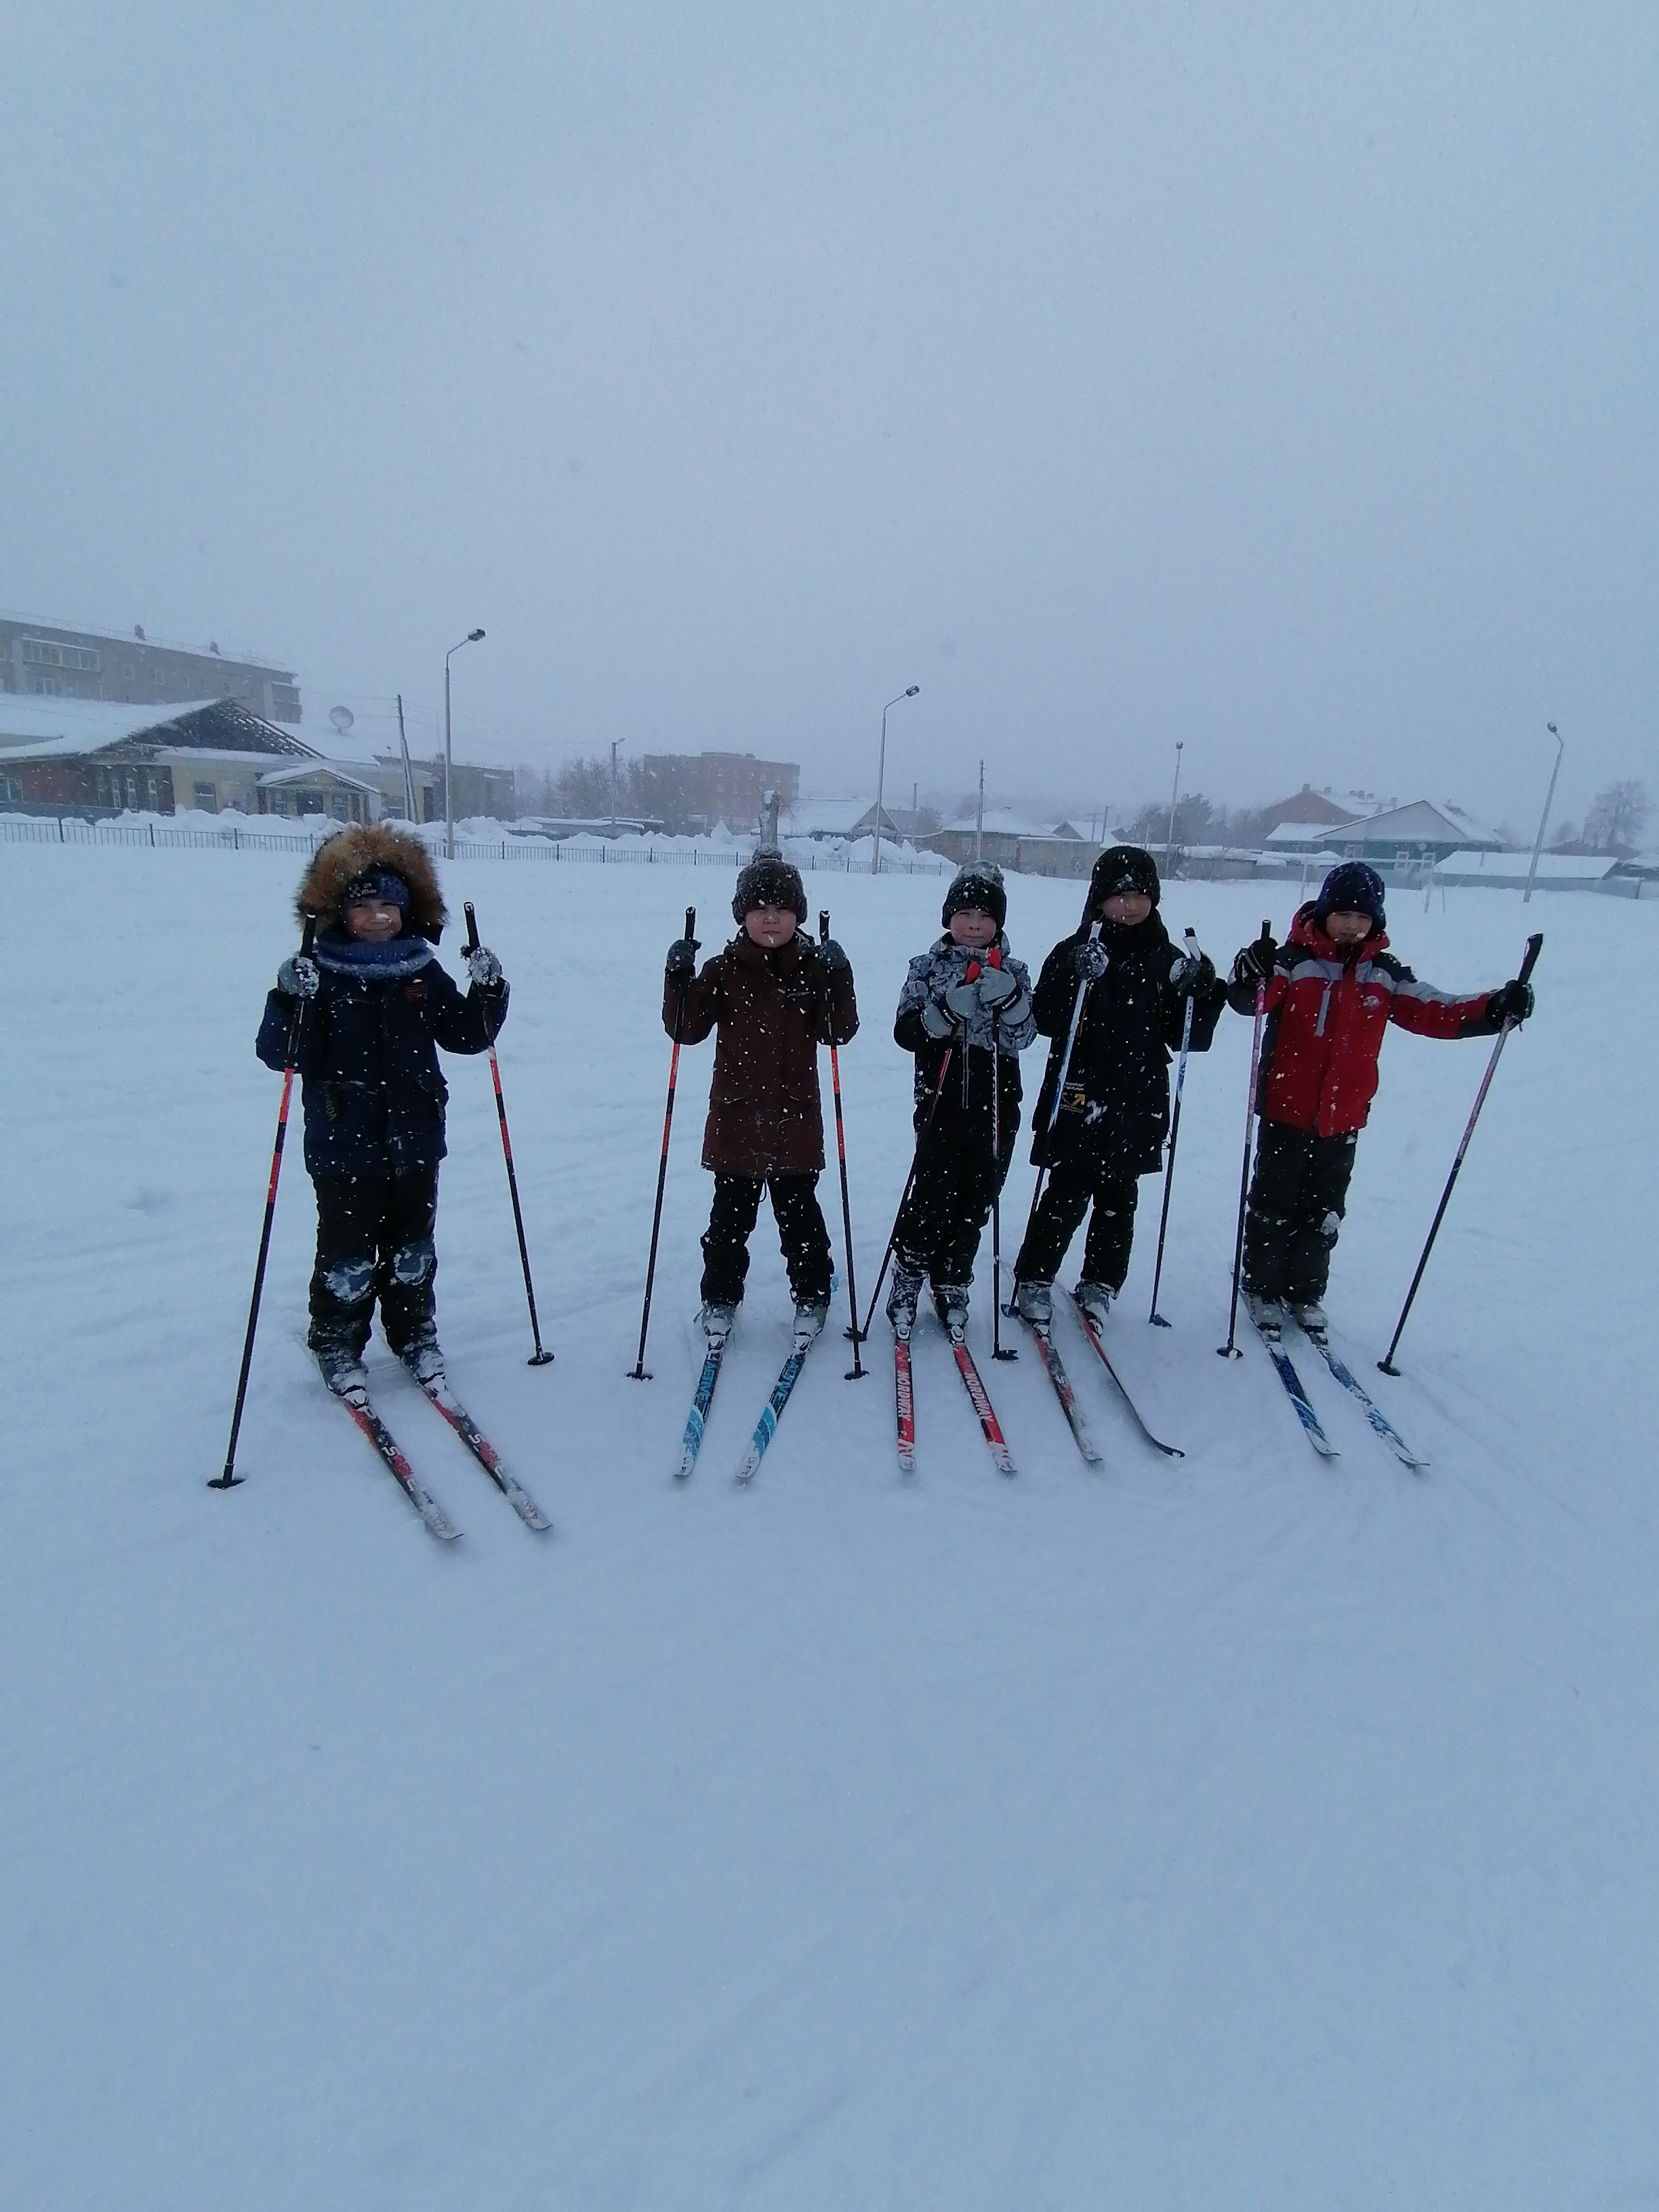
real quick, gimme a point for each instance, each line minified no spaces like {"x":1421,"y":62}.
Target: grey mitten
{"x":484,"y":967}
{"x":299,"y":977}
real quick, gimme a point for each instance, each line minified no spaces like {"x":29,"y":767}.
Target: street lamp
{"x":1544,"y":818}
{"x":908,"y":692}
{"x":1169,"y":842}
{"x":614,"y":744}
{"x":471,"y":638}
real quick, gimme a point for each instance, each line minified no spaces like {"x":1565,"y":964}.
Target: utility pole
{"x":471,"y":638}
{"x":908,"y":692}
{"x":1169,"y":843}
{"x":615,"y":742}
{"x":1544,"y":818}
{"x":978,"y":832}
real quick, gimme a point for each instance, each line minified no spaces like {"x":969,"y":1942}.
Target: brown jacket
{"x":772,"y":1012}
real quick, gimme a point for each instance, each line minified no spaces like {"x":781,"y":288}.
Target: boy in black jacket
{"x":1115,"y":1111}
{"x":377,"y":1004}
{"x":966,"y":996}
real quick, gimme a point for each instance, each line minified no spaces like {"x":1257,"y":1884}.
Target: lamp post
{"x":908,"y":692}
{"x":1544,"y":818}
{"x":1169,"y":842}
{"x":471,"y":638}
{"x":615,"y":743}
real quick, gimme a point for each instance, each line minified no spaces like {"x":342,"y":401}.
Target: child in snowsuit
{"x":1332,"y":990}
{"x":1114,"y":1110}
{"x":376,"y":1006}
{"x":965,"y":1012}
{"x":774,"y":996}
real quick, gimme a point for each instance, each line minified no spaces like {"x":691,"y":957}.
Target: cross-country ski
{"x":772,"y":1412}
{"x":1170,"y":1451}
{"x":1368,"y":1404}
{"x":1055,"y":1368}
{"x":701,"y":1399}
{"x":485,"y":1452}
{"x":356,"y":1401}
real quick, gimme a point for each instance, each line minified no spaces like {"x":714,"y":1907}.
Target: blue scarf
{"x":390,"y":962}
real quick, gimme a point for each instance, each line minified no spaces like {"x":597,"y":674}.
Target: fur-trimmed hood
{"x":352,"y":852}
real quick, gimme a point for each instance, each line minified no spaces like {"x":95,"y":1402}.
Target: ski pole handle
{"x":1535,"y":946}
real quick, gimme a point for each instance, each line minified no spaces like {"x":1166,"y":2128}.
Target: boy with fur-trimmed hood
{"x":376,"y":1005}
{"x":774,"y":996}
{"x":965,"y":1012}
{"x":1114,"y":1110}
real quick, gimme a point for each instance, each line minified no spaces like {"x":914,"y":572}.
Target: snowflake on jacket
{"x":1115,"y":1111}
{"x":1327,"y":1012}
{"x":939,"y":978}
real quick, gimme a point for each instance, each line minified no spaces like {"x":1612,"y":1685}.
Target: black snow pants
{"x":1298,"y":1194}
{"x":801,"y":1233}
{"x":943,"y":1218}
{"x":375,"y":1240}
{"x":1072,"y":1186}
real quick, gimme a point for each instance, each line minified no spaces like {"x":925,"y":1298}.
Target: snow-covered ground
{"x":1238,"y":1831}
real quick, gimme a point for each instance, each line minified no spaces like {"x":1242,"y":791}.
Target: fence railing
{"x":70,"y":829}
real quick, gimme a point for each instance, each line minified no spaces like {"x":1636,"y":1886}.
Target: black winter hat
{"x":1352,"y":888}
{"x":1122,"y":868}
{"x":976,"y":885}
{"x":769,"y":880}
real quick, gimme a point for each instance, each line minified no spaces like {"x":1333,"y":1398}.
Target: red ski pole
{"x":1230,"y":1350}
{"x":229,"y":1479}
{"x":538,"y":1358}
{"x":637,"y":1372}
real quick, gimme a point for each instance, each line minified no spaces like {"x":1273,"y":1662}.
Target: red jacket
{"x":1326,"y":1010}
{"x":772,"y":1010}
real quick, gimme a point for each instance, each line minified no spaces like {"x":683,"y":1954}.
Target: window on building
{"x":13,"y":791}
{"x":46,"y":687}
{"x":207,"y":799}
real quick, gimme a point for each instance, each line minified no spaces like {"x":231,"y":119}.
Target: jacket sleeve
{"x":702,"y":1003}
{"x":843,"y":1012}
{"x":910,"y":1032}
{"x":466,"y":1024}
{"x":1206,"y":1013}
{"x":270,"y":1045}
{"x":1018,"y":1027}
{"x":1056,"y":991}
{"x":1428,"y":1012}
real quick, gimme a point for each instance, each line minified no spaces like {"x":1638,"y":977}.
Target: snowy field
{"x":1236,"y":1831}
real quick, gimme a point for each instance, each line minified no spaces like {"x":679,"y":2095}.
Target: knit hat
{"x":1122,"y":868}
{"x":769,"y":880}
{"x":1350,"y":888}
{"x":976,"y":886}
{"x":377,"y":883}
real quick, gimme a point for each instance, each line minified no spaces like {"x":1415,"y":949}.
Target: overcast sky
{"x":1277,"y":378}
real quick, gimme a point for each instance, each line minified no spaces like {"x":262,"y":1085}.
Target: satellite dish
{"x":343,"y":718}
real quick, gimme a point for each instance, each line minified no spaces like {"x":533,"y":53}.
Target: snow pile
{"x":1242,"y":1831}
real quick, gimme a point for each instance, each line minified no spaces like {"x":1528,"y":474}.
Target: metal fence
{"x":70,"y":829}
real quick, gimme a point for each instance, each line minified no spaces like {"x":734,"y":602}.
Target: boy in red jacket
{"x":1332,"y":989}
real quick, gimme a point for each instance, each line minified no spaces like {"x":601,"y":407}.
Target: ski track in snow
{"x":1239,"y":1831}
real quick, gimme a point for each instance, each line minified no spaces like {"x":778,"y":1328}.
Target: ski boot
{"x":1268,"y":1314}
{"x":951,"y":1303}
{"x":341,"y":1366}
{"x":1311,"y":1316}
{"x":715,"y":1320}
{"x":901,"y":1299}
{"x":810,"y":1313}
{"x":1094,"y":1299}
{"x":424,"y":1359}
{"x":1034,"y":1303}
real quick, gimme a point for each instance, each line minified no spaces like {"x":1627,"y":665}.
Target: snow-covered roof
{"x":1301,"y":834}
{"x":1512,"y":868}
{"x":1003,"y":822}
{"x":312,"y":771}
{"x":31,"y":726}
{"x":1419,"y":823}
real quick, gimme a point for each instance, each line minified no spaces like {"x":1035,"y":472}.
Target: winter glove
{"x":836,"y":961}
{"x":934,"y":1019}
{"x":1512,"y":1004}
{"x":484,"y":967}
{"x":1091,"y":960}
{"x":1254,"y":963}
{"x":681,"y":964}
{"x":997,"y":984}
{"x":299,"y":977}
{"x":1192,"y":977}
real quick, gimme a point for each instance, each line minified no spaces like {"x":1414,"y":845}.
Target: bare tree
{"x":1616,"y":821}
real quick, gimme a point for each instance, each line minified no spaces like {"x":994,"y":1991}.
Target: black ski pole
{"x":1230,"y":1350}
{"x":997,"y":1351}
{"x":1533,"y":946}
{"x":638,"y":1372}
{"x":916,"y":1157}
{"x":229,"y":1479}
{"x":538,"y":1358}
{"x":1060,"y":1092}
{"x":857,"y":1371}
{"x":1155,"y":1316}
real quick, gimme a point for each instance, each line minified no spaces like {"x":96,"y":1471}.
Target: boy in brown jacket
{"x":774,"y":997}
